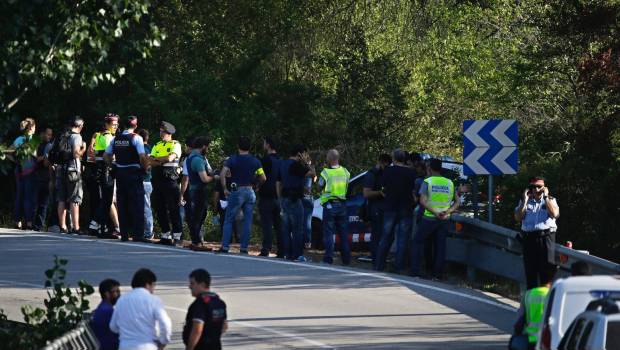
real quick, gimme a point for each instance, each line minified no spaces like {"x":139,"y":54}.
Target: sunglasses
{"x":536,"y":186}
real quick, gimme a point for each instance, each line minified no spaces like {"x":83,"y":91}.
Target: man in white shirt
{"x":139,"y":316}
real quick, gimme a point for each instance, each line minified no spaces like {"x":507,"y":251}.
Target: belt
{"x":170,"y":164}
{"x":99,"y":159}
{"x":538,"y":233}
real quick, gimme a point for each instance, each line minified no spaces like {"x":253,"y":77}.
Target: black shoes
{"x":221,"y":251}
{"x":243,"y":252}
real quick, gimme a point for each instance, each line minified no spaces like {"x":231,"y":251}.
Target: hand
{"x":216,"y":177}
{"x":546,"y":191}
{"x":226,"y":193}
{"x":526,"y":195}
{"x":182,"y":202}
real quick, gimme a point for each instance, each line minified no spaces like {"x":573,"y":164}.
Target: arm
{"x":78,"y":151}
{"x":194,"y":336}
{"x":279,"y":189}
{"x":552,"y":206}
{"x":144,"y":161}
{"x":520,"y":211}
{"x":114,"y":323}
{"x":453,"y":207}
{"x":370,"y":194}
{"x":204,"y":177}
{"x":223,"y":173}
{"x":185,"y":184}
{"x":165,"y":325}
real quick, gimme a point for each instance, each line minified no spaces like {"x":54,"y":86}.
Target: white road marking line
{"x":306,"y":265}
{"x":12,"y":284}
{"x":269,"y":330}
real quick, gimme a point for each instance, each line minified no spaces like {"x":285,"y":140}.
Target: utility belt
{"x":333,"y":201}
{"x":168,"y":171}
{"x":537,"y":233}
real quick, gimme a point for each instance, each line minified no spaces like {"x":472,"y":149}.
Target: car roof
{"x":587,"y":283}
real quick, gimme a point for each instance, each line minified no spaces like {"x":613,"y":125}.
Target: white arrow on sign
{"x":472,"y":133}
{"x":500,"y":160}
{"x":472,"y":161}
{"x":499,"y":132}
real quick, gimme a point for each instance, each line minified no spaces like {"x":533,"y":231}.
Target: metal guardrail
{"x":483,"y":246}
{"x":80,"y":338}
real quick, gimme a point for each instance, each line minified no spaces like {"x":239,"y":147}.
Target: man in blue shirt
{"x":130,"y":164}
{"x":244,"y":169}
{"x":290,"y":188}
{"x":100,"y":322}
{"x":198,"y":173}
{"x":372,"y":192}
{"x":537,"y":212}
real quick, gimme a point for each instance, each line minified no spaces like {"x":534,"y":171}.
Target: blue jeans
{"x":269,"y":211}
{"x":242,"y":199}
{"x":308,"y":204}
{"x":335,"y":220}
{"x":292,"y":227}
{"x":394,"y":224}
{"x":148,"y":212}
{"x":25,"y":198}
{"x":438,"y":229}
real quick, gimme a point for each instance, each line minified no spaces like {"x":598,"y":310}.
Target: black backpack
{"x":62,"y":151}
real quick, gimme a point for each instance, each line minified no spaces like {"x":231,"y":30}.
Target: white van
{"x":568,"y":298}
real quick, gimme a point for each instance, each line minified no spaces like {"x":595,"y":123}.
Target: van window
{"x":583,"y":340}
{"x":613,"y":336}
{"x":574,"y":304}
{"x":572,"y":342}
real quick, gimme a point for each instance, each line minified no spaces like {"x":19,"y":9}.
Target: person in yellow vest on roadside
{"x":101,"y":183}
{"x":334,"y":181}
{"x":531,"y":312}
{"x":166,"y":195}
{"x":439,"y":199}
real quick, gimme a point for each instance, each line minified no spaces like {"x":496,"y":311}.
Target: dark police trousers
{"x":130,"y":201}
{"x":538,"y":255}
{"x":165,"y":200}
{"x":270,"y":220}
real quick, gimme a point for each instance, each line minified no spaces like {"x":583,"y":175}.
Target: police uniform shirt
{"x":175,"y":148}
{"x":536,"y":216}
{"x":136,"y":141}
{"x":210,"y":310}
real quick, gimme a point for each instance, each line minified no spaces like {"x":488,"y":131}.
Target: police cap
{"x":167,"y":128}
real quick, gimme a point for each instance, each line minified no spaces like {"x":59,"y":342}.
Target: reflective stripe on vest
{"x":440,"y":194}
{"x":534,"y":307}
{"x":336,"y":184}
{"x":163,"y":149}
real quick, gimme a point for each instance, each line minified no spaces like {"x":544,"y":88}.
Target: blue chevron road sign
{"x":490,"y":147}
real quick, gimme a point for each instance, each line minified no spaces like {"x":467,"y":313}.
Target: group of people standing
{"x":128,"y":181}
{"x":409,"y":198}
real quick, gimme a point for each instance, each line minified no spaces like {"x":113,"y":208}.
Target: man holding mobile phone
{"x":537,"y":211}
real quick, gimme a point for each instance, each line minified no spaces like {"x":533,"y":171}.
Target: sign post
{"x":490,"y":148}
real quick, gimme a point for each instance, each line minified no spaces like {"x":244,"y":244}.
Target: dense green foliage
{"x":365,"y":76}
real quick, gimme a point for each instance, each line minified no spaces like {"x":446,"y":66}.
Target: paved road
{"x":272,"y":304}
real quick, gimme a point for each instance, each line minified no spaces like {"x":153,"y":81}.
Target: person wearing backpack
{"x":65,"y":155}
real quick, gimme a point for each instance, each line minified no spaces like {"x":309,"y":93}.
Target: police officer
{"x":372,"y":192}
{"x":439,"y":200}
{"x":103,"y":181}
{"x":537,"y":212}
{"x":335,"y":181}
{"x":130,"y":164}
{"x":530,"y":313}
{"x":166,"y":195}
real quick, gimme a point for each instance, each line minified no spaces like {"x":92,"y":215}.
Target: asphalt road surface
{"x":272,"y":304}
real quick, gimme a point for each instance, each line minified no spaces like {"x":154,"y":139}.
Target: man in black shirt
{"x":372,"y":192}
{"x":398,"y":191}
{"x":268,"y":205}
{"x":290,"y":188}
{"x":206,"y":317}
